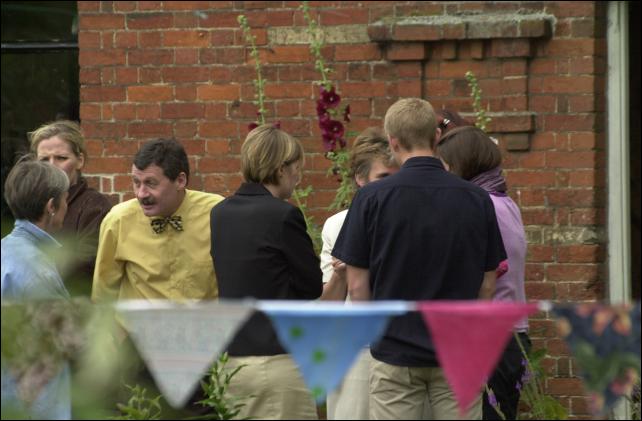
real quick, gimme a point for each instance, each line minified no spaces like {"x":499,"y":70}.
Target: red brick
{"x":185,"y":20}
{"x":289,"y":90}
{"x":217,"y":147}
{"x":88,"y":6}
{"x":149,"y":5}
{"x":361,"y":52}
{"x":589,"y":253}
{"x":149,"y":39}
{"x":572,"y":273}
{"x":574,"y":159}
{"x":541,"y":254}
{"x":588,"y":217}
{"x":565,"y":387}
{"x":88,"y":40}
{"x":344,"y":16}
{"x":185,"y":93}
{"x":534,"y":272}
{"x":127,"y":148}
{"x":220,"y":20}
{"x":150,"y":57}
{"x":186,"y":39}
{"x":531,"y":178}
{"x":560,"y":123}
{"x":124,"y":112}
{"x":89,"y":76}
{"x":149,"y":93}
{"x":102,"y":21}
{"x":147,"y":111}
{"x":186,"y":5}
{"x":218,"y":129}
{"x":100,"y":93}
{"x":147,"y":76}
{"x":570,"y":47}
{"x":149,"y":130}
{"x":90,"y":112}
{"x":218,"y":165}
{"x":108,"y":166}
{"x":407,"y":51}
{"x":363,"y":89}
{"x":126,"y":40}
{"x":519,"y":47}
{"x":539,"y":290}
{"x":567,"y":84}
{"x":185,"y":74}
{"x":181,"y":110}
{"x":217,"y":92}
{"x":149,"y":20}
{"x":101,"y":58}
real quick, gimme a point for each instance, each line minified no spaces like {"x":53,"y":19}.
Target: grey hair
{"x":29,"y":186}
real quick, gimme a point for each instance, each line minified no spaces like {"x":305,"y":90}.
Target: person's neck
{"x":405,"y":155}
{"x":43,"y":223}
{"x":274,"y":190}
{"x":182,"y":195}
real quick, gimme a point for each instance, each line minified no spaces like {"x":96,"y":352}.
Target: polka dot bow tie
{"x":159,"y":224}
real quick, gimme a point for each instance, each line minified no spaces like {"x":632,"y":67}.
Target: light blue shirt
{"x":29,"y":273}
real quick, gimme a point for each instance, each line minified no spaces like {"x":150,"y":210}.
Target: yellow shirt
{"x":133,"y":262}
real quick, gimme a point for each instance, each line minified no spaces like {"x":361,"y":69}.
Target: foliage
{"x":634,"y":401}
{"x":482,"y":119}
{"x":222,"y":406}
{"x":259,"y":82}
{"x":329,"y":114}
{"x":139,"y":406}
{"x":300,"y":198}
{"x":492,"y":400}
{"x":542,"y":406}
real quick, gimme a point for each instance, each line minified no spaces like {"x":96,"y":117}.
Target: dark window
{"x":39,"y":73}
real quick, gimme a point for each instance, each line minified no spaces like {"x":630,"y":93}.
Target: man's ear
{"x":360,"y":180}
{"x":437,"y":136}
{"x":181,"y":180}
{"x":394,"y":143}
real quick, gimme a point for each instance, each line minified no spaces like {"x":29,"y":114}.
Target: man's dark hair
{"x":168,"y":154}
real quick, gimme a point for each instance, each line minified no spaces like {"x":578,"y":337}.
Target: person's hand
{"x":339,"y":267}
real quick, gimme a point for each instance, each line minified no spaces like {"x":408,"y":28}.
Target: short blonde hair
{"x":29,"y":186}
{"x":412,"y":121}
{"x":67,"y":130}
{"x":265,"y":150}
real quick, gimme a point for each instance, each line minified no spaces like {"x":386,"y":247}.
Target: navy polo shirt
{"x":424,"y":234}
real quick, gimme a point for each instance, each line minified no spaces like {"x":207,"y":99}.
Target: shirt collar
{"x":28,"y":229}
{"x":253,"y":189}
{"x":77,"y":189}
{"x":423,"y":162}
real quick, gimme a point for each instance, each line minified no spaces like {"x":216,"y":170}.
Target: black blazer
{"x":261,"y":249}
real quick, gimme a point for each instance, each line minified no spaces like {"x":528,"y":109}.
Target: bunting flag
{"x":326,"y":338}
{"x":179,"y":342}
{"x":469,"y":338}
{"x":605,"y":341}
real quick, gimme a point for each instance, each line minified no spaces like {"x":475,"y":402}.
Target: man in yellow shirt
{"x":157,"y":246}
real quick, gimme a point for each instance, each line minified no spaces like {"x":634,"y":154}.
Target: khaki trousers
{"x":399,"y":393}
{"x":350,"y":400}
{"x":272,"y":388}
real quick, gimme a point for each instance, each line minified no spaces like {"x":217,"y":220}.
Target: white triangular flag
{"x":179,"y":342}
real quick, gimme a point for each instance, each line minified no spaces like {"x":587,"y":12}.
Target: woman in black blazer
{"x":261,"y":249}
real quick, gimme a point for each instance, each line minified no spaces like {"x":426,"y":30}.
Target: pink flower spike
{"x":252,"y":126}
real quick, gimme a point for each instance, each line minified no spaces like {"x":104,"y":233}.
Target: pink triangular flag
{"x":469,"y":338}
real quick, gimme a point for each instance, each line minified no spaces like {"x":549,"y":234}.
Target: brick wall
{"x":159,"y":69}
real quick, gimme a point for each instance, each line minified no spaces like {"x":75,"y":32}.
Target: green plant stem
{"x":316,"y":43}
{"x":259,"y":83}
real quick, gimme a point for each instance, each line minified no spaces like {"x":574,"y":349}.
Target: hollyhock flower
{"x":252,"y":126}
{"x":333,"y":127}
{"x":277,"y":125}
{"x":321,"y":108}
{"x":330,"y":98}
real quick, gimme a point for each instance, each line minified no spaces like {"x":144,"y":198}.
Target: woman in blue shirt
{"x":36,"y":193}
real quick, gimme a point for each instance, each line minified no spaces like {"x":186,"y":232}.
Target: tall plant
{"x":329,"y":114}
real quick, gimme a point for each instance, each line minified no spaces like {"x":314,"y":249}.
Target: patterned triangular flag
{"x":605,"y":341}
{"x":469,"y":338}
{"x":326,"y":338}
{"x":179,"y":342}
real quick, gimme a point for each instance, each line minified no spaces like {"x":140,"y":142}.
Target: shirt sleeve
{"x":495,"y":252}
{"x":299,"y":252}
{"x":109,"y":272}
{"x":326,"y":250}
{"x":353,"y":243}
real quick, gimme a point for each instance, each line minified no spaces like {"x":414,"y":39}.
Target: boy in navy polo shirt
{"x":420,"y":234}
